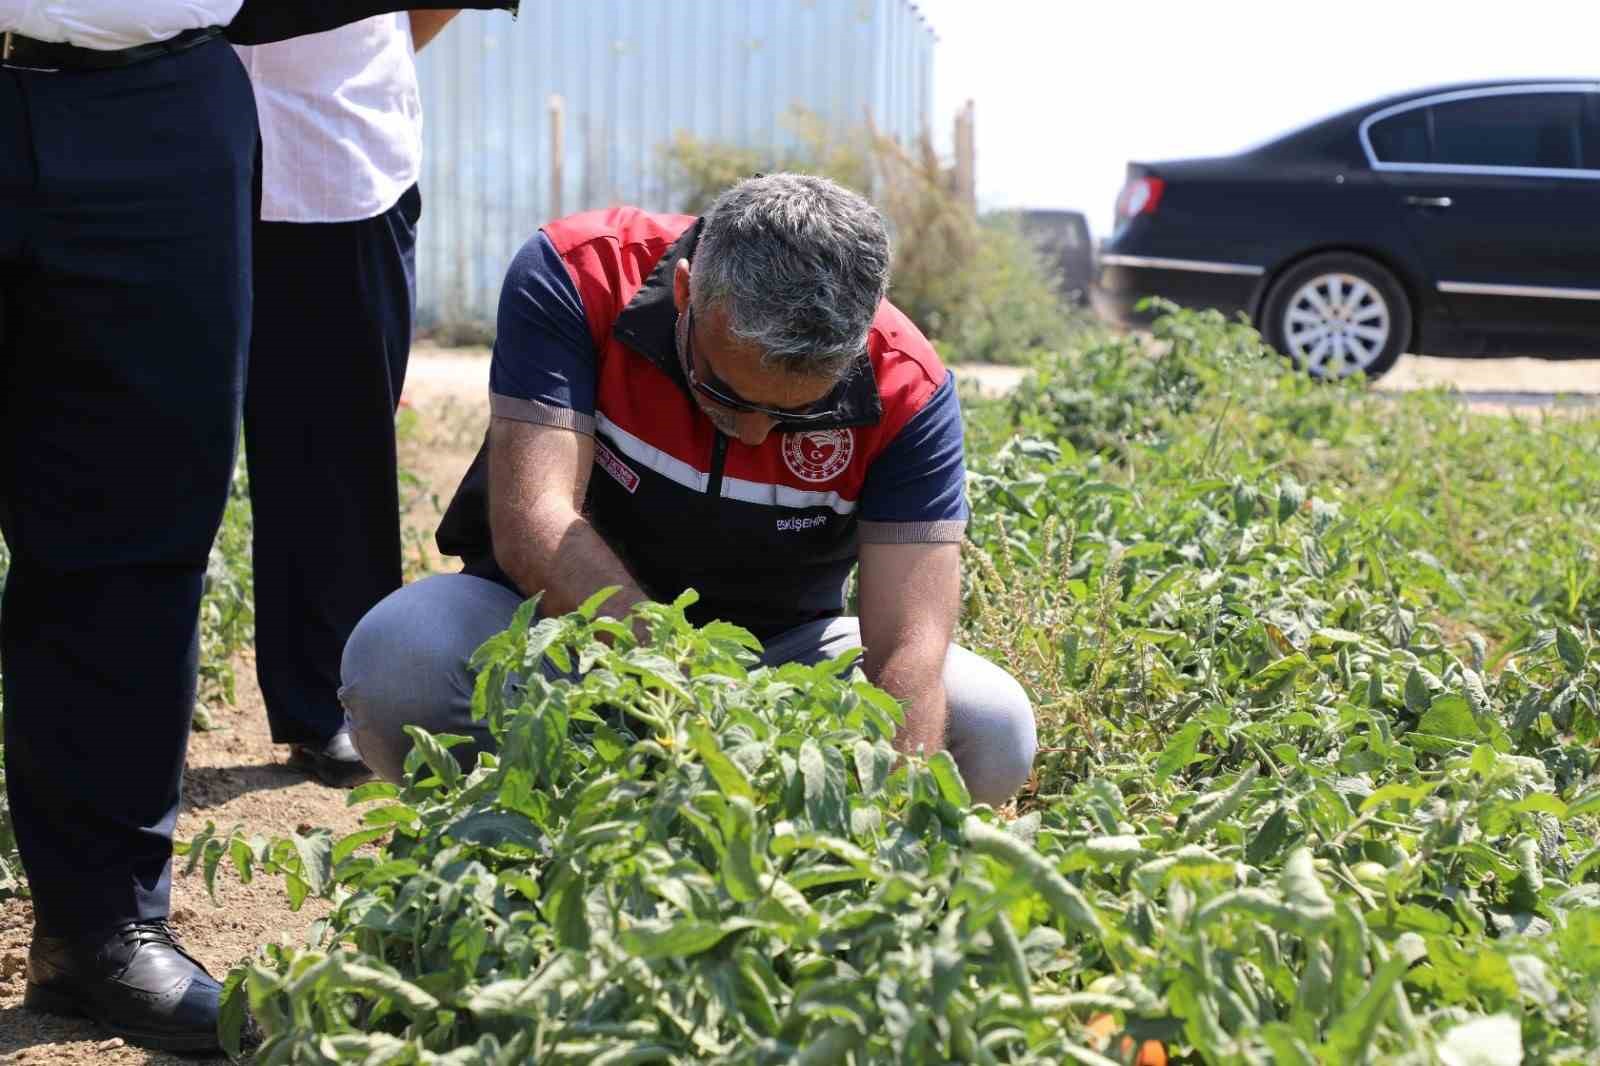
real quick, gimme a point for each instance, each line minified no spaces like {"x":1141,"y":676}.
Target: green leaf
{"x":1398,"y":792}
{"x":316,"y":860}
{"x":1035,"y":872}
{"x":231,"y":1012}
{"x":786,"y":841}
{"x":1219,"y":806}
{"x":591,"y":606}
{"x":728,"y":776}
{"x":1570,"y":647}
{"x":874,"y":764}
{"x":348,"y":845}
{"x":1588,"y":803}
{"x":1179,"y":751}
{"x":1302,"y":889}
{"x":435,"y":754}
{"x":609,"y":744}
{"x":394,"y":814}
{"x":1266,"y":842}
{"x":386,"y":872}
{"x":383,"y":981}
{"x":730,"y":633}
{"x":1418,"y":695}
{"x":372,"y":790}
{"x":1448,"y":716}
{"x":677,"y":939}
{"x":493,"y":828}
{"x":1280,"y":672}
{"x":1353,"y":1031}
{"x":1541,"y":803}
{"x":823,"y":773}
{"x":742,"y":864}
{"x":948,"y":777}
{"x":243,"y":858}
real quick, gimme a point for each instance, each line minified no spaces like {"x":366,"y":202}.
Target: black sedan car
{"x":1455,"y":221}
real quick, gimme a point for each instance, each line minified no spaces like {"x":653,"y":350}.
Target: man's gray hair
{"x":799,"y":264}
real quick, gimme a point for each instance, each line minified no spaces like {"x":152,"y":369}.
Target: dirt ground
{"x":237,"y":777}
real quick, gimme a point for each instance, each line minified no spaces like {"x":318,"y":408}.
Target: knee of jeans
{"x":997,"y":745}
{"x":389,"y":682}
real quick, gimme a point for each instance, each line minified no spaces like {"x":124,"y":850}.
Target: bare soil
{"x":236,"y":775}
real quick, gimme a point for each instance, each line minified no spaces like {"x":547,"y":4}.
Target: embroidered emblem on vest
{"x":818,"y":455}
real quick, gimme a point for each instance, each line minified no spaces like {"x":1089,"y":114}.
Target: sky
{"x":1067,"y":92}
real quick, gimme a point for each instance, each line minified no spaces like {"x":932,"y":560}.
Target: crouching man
{"x":725,"y":403}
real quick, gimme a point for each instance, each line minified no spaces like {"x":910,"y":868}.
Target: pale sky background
{"x":1068,"y":91}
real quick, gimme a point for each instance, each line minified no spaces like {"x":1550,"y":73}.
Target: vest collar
{"x":647,"y":326}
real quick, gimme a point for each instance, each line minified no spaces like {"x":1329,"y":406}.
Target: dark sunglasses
{"x":721,"y":395}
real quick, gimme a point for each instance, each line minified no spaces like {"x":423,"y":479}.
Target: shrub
{"x":978,"y":288}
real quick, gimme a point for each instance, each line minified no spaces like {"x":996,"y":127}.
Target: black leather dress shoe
{"x":138,"y":983}
{"x":336,"y":764}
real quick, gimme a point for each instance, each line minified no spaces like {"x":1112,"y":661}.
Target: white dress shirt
{"x":341,"y":121}
{"x":111,"y":24}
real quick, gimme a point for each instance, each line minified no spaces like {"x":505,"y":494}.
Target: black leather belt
{"x":25,"y":53}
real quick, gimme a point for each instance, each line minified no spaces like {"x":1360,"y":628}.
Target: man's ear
{"x":680,"y":285}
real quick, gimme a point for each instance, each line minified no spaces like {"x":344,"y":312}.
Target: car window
{"x":1513,"y":130}
{"x":1402,"y":138}
{"x":1591,"y":131}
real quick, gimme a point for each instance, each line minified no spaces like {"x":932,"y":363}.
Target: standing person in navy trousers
{"x":335,"y":291}
{"x":127,"y":156}
{"x":128,"y":148}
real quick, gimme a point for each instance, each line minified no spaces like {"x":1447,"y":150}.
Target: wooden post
{"x":558,"y":160}
{"x":967,"y":156}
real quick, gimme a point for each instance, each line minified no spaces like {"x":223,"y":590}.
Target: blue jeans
{"x":406,"y":664}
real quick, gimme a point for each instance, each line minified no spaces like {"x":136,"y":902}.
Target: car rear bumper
{"x":1121,"y":281}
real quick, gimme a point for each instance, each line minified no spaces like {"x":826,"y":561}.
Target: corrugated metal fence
{"x":632,"y":74}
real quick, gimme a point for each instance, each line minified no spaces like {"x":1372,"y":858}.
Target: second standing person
{"x":335,"y":292}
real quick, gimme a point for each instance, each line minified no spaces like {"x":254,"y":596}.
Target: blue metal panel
{"x":632,"y":75}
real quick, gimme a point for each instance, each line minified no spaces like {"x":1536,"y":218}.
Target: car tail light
{"x":1140,"y":196}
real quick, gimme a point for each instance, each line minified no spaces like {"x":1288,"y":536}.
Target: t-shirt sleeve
{"x":544,"y":364}
{"x":916,"y":489}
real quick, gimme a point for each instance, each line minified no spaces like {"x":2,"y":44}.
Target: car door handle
{"x":1429,"y":201}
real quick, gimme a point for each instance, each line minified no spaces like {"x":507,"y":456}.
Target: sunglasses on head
{"x":723,"y":396}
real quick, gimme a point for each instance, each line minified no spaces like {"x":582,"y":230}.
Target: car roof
{"x":1467,"y":86}
{"x":1335,"y":136}
{"x":1355,"y":114}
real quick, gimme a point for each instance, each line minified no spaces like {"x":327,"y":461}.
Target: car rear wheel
{"x":1336,"y":314}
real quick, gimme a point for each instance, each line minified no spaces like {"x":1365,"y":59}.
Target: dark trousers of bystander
{"x":125,"y":213}
{"x":333,"y":309}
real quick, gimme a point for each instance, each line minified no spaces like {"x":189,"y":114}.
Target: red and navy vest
{"x":767,"y":535}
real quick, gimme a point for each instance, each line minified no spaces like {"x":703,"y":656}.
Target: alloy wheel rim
{"x":1336,"y":324}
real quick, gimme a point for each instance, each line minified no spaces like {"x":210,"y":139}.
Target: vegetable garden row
{"x":1319,"y":693}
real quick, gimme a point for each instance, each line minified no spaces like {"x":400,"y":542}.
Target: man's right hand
{"x":538,"y":476}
